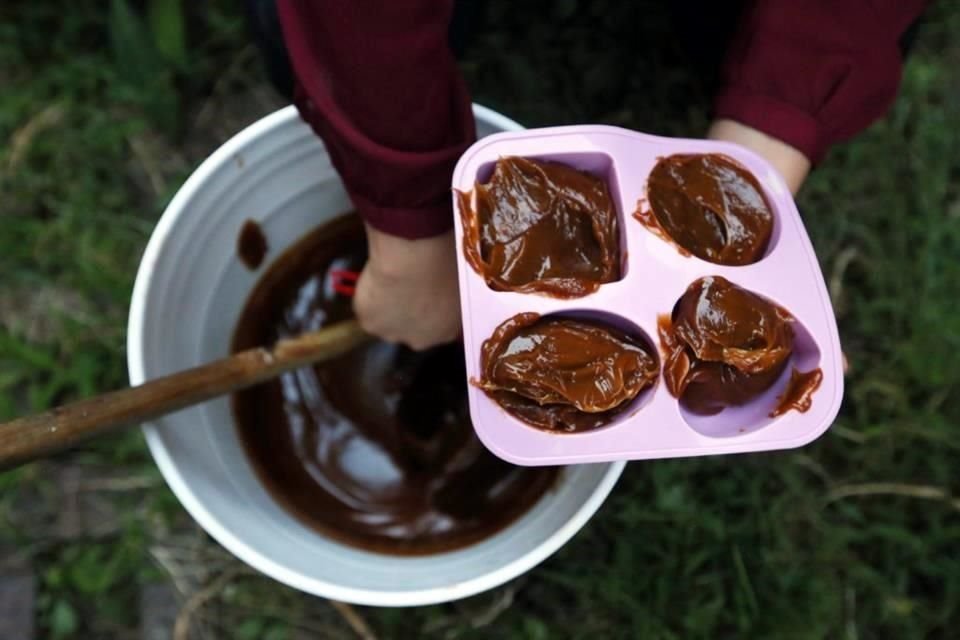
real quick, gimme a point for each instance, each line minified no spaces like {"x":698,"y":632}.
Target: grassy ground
{"x":853,"y":537}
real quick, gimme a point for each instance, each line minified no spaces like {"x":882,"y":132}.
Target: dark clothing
{"x":379,"y":83}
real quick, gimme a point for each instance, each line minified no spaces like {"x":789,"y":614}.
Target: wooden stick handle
{"x":30,"y":437}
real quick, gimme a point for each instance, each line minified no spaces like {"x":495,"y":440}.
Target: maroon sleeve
{"x":815,"y":72}
{"x":377,"y":82}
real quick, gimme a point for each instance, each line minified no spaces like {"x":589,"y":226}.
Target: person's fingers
{"x":418,"y":312}
{"x":365,"y":311}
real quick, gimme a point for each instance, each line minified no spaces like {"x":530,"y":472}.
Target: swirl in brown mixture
{"x":723,"y":345}
{"x":376,"y":448}
{"x":541,"y":227}
{"x":561,"y":374}
{"x":709,"y":206}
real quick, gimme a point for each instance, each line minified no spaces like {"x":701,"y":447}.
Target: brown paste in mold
{"x":710,"y":206}
{"x":541,"y":227}
{"x":563,"y":374}
{"x":799,"y":392}
{"x":724,"y":346}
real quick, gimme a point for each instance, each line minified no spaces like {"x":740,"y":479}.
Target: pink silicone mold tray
{"x":655,"y":275}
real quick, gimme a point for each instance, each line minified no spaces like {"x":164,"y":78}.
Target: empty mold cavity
{"x":595,"y":163}
{"x":629,"y":408}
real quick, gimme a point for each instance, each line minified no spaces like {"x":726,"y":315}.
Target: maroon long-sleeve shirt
{"x":377,"y":81}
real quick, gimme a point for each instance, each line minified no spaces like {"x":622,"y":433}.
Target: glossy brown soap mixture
{"x":799,"y":392}
{"x":724,"y":346}
{"x":541,"y":227}
{"x":561,"y":374}
{"x":375,"y":448}
{"x":710,"y":206}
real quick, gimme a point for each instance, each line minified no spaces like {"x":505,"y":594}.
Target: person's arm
{"x":378,"y":83}
{"x":789,"y":161}
{"x":801,"y":76}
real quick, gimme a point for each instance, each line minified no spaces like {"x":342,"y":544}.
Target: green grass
{"x":853,"y":537}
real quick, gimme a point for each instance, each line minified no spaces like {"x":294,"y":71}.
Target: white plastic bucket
{"x":189,"y":291}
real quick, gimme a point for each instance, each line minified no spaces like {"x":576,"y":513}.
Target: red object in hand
{"x":344,"y":281}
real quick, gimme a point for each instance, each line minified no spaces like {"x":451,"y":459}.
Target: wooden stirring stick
{"x":31,"y":437}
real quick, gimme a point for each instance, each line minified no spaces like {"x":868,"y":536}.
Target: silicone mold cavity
{"x":755,"y":415}
{"x":596,"y":163}
{"x":643,"y":205}
{"x":633,"y":330}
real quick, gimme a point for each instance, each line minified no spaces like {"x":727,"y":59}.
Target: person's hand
{"x":790,"y":162}
{"x":408,"y":291}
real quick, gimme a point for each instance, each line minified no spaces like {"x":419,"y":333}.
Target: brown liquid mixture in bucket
{"x":374,"y":449}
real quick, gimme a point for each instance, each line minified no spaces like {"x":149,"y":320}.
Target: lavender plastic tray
{"x":655,"y":275}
